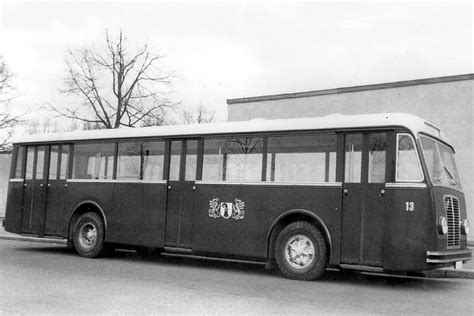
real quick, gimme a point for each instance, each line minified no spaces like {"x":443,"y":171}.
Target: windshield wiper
{"x":450,"y":175}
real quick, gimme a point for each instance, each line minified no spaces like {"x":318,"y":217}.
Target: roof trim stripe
{"x":379,"y":86}
{"x":329,"y":122}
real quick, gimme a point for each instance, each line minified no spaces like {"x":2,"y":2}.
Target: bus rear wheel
{"x":89,"y":235}
{"x":301,"y":252}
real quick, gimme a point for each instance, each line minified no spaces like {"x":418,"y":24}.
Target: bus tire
{"x":89,"y":235}
{"x":301,"y":252}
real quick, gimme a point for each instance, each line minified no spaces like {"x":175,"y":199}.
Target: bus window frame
{"x":68,"y":172}
{"x":72,"y":148}
{"x":58,"y":162}
{"x":263,"y":136}
{"x":420,"y":165}
{"x":139,"y":140}
{"x":14,"y":162}
{"x":425,"y":166}
{"x":326,"y":181}
{"x":116,"y":142}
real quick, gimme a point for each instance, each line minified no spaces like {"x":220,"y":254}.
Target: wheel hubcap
{"x":88,"y":235}
{"x":299,"y":251}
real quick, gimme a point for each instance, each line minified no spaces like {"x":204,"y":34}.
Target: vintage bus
{"x":376,"y":192}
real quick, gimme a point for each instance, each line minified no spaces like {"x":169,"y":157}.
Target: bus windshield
{"x":440,"y":162}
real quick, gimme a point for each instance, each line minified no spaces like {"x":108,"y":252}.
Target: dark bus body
{"x":353,"y":192}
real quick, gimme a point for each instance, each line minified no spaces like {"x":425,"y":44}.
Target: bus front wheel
{"x":89,"y":235}
{"x":301,"y":252}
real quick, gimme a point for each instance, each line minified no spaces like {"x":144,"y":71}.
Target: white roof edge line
{"x":331,"y":121}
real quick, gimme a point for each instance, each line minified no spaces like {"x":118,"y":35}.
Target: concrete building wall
{"x":446,"y":102}
{"x":5,"y":159}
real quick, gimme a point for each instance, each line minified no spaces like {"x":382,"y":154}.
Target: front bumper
{"x":448,"y":256}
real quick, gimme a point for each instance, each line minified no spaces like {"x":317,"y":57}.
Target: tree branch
{"x":117,"y":86}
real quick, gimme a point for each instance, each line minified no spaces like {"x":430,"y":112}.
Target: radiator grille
{"x":451,"y":205}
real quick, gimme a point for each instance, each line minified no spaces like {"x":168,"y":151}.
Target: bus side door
{"x":363,"y":198}
{"x":182,"y":162}
{"x":56,"y":188}
{"x":34,"y":191}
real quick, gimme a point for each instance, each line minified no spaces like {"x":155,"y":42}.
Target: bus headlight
{"x":443,"y":225}
{"x":465,"y":227}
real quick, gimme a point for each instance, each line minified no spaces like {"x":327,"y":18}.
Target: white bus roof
{"x":333,"y":121}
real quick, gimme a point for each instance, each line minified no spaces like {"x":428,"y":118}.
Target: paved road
{"x":46,"y":278}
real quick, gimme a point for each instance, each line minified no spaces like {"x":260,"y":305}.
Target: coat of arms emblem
{"x":226,"y":210}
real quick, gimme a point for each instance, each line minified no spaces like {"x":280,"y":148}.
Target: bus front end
{"x":452,"y":225}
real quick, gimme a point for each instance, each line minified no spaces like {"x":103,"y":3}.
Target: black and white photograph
{"x":236,"y":157}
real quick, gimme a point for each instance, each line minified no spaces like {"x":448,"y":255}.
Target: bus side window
{"x":175,"y":160}
{"x":233,"y":159}
{"x":93,"y":161}
{"x":30,"y":159}
{"x":191,"y":160}
{"x":40,"y":162}
{"x":140,"y":160}
{"x":243,"y":159}
{"x":408,"y":164}
{"x":63,"y":172}
{"x":353,"y":158}
{"x":377,"y":157}
{"x":301,"y":158}
{"x":19,"y":163}
{"x":213,"y":160}
{"x":53,"y":162}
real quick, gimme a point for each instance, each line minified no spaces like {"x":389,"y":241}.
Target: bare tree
{"x":7,"y":119}
{"x":117,"y":86}
{"x":39,"y":126}
{"x":46,"y":124}
{"x":198,"y":115}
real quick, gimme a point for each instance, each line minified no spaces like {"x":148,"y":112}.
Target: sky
{"x":222,"y":50}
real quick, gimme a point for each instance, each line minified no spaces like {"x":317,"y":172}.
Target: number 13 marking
{"x":409,"y":206}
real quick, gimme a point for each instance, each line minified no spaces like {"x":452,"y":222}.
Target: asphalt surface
{"x":42,"y":278}
{"x":467,"y":270}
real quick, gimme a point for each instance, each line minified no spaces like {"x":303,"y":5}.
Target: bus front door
{"x":363,"y":198}
{"x":182,"y":163}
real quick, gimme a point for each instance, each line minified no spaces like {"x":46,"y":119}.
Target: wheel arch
{"x":82,"y":208}
{"x":292,"y":216}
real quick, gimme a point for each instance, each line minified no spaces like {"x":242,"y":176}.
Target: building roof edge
{"x":396,"y":84}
